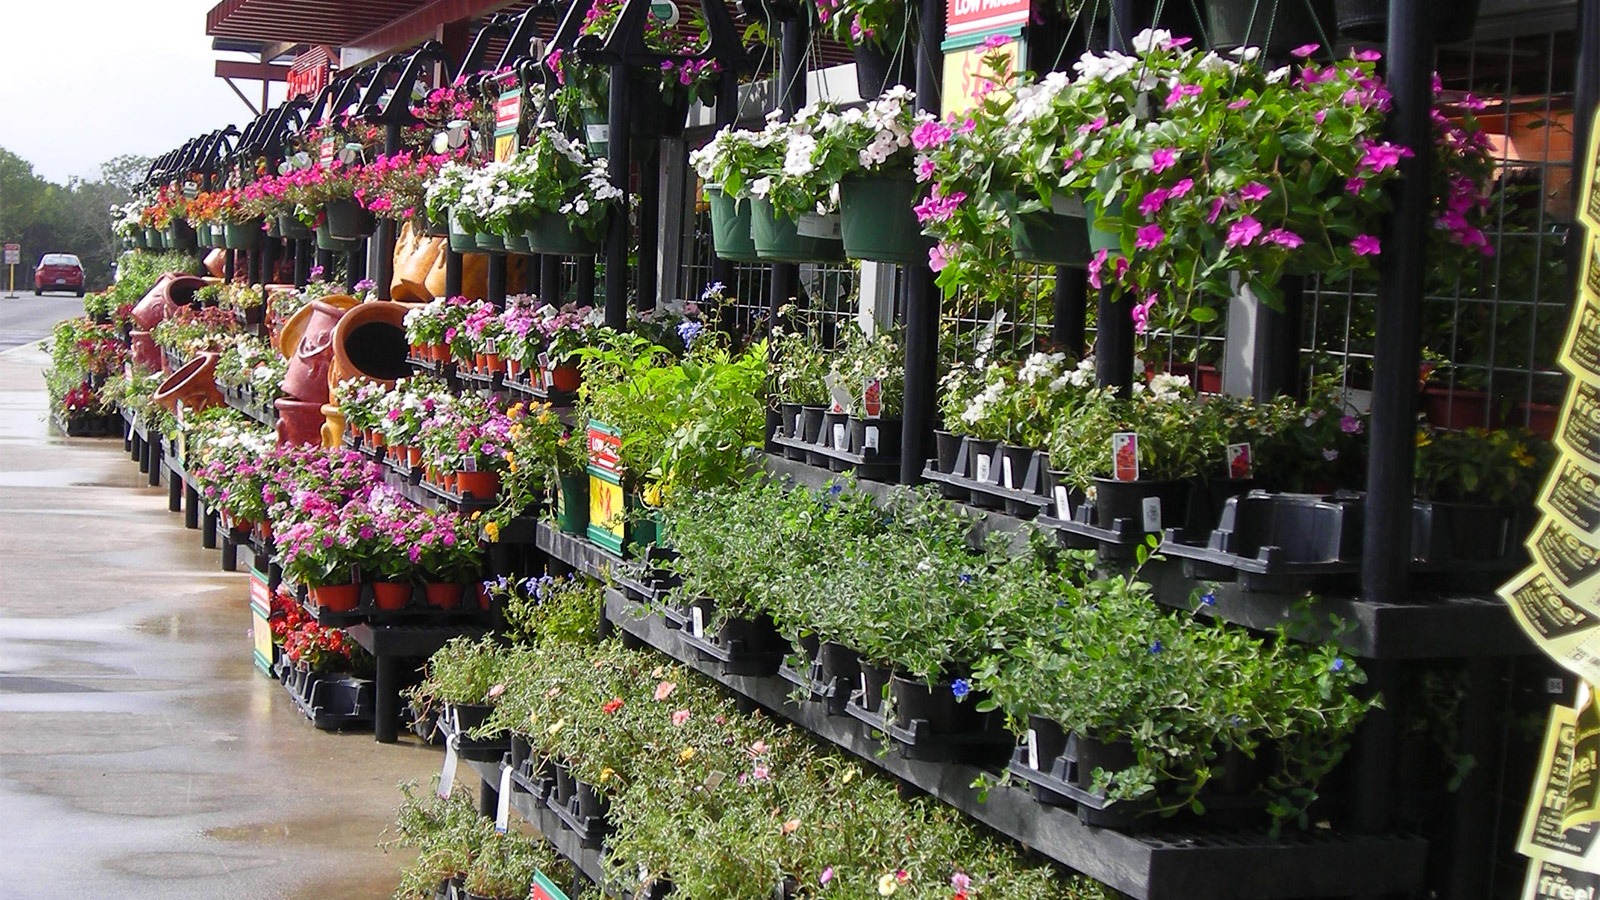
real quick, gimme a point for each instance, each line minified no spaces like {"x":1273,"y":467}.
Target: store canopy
{"x":339,"y":23}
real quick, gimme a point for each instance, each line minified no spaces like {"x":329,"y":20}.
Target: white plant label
{"x":796,"y":430}
{"x":872,"y":438}
{"x":984,"y":462}
{"x":839,"y":441}
{"x":1033,"y":749}
{"x":697,"y":622}
{"x":1152,"y":514}
{"x":447,"y":775}
{"x":502,"y":809}
{"x":863,"y":689}
{"x":812,"y":225}
{"x":598,"y":134}
{"x":1005,"y":472}
{"x":1063,"y":503}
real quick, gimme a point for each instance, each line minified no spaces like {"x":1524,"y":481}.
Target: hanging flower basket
{"x":461,"y":240}
{"x":552,"y":233}
{"x":516,"y":242}
{"x":781,"y":239}
{"x":326,"y":241}
{"x":489,"y":241}
{"x":140,"y":242}
{"x":877,"y":221}
{"x":216,"y":236}
{"x":155,"y":238}
{"x":1276,"y":26}
{"x":293,"y":229}
{"x":1062,"y":235}
{"x":730,"y":226}
{"x":242,"y":235}
{"x":879,"y":68}
{"x":347,"y":221}
{"x":181,"y":236}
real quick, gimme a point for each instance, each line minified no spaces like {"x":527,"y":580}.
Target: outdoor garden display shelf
{"x":1184,"y":862}
{"x":392,"y":647}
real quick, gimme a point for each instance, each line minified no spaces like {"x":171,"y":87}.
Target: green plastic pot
{"x":216,"y":236}
{"x":730,"y":226}
{"x":461,"y":240}
{"x":328,"y":242}
{"x":293,"y":229}
{"x":181,"y":235}
{"x":877,"y":220}
{"x":572,"y":504}
{"x":347,"y":220}
{"x":553,"y":233}
{"x":516,"y":243}
{"x":140,"y":242}
{"x":242,"y":235}
{"x":489,"y":241}
{"x":155,"y":238}
{"x":1065,"y":235}
{"x":778,"y":238}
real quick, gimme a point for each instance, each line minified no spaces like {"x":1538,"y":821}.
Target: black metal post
{"x":922,"y":295}
{"x":1113,"y":346}
{"x":325,"y":263}
{"x":1472,"y":813}
{"x":794,"y":39}
{"x":618,"y":137}
{"x":355,"y":265}
{"x":1276,"y":369}
{"x":386,"y":699}
{"x":303,"y":251}
{"x":646,"y":286}
{"x":585,"y":286}
{"x":269,"y":258}
{"x":1586,"y":94}
{"x":1396,"y":354}
{"x":227,"y":264}
{"x":550,"y":279}
{"x":1071,"y":310}
{"x":452,"y":273}
{"x":383,"y":271}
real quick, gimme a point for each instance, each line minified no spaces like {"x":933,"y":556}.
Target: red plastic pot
{"x":564,"y":378}
{"x":442,"y":595}
{"x":481,"y":485}
{"x":391,"y":595}
{"x":336,"y":597}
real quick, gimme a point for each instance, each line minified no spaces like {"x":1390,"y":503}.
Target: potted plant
{"x":1473,"y":487}
{"x":868,"y":153}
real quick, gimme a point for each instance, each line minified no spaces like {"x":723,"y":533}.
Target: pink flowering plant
{"x":585,"y":85}
{"x":394,"y":187}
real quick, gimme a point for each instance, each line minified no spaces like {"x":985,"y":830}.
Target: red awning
{"x":331,"y":22}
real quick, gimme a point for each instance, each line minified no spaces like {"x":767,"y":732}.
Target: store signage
{"x":967,"y":17}
{"x":665,"y":10}
{"x":968,"y":75}
{"x":310,"y":72}
{"x":545,"y":889}
{"x":507,"y":122}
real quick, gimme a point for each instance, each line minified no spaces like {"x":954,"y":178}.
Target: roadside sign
{"x":13,"y":254}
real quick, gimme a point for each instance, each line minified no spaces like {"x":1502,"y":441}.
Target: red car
{"x":58,"y":272}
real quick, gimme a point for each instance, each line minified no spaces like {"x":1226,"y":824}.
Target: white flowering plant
{"x":1017,"y":401}
{"x":861,"y":358}
{"x":445,"y":188}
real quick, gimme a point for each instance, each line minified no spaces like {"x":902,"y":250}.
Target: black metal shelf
{"x":587,"y":860}
{"x":1186,"y":863}
{"x":246,"y":402}
{"x":1426,"y":626}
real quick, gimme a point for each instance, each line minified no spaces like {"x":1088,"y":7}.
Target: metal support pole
{"x":303,"y":252}
{"x":549,"y":290}
{"x":1472,"y":807}
{"x":649,"y":226}
{"x":585,"y":286}
{"x":383,"y":266}
{"x":922,"y":295}
{"x":174,"y":492}
{"x":1113,"y":350}
{"x":1586,"y":94}
{"x":794,"y":40}
{"x":1277,"y":344}
{"x":1071,"y":310}
{"x":208,"y":529}
{"x":268,"y":256}
{"x":228,"y":257}
{"x":618,"y":137}
{"x":1396,"y":354}
{"x":325,"y":263}
{"x":355,"y":266}
{"x":191,"y":507}
{"x":386,"y":699}
{"x":452,"y":273}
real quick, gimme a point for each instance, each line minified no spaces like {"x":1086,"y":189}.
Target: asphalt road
{"x":28,"y":318}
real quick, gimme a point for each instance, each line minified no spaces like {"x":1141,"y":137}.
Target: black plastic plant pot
{"x":873,"y":680}
{"x":980,"y":458}
{"x":588,"y":802}
{"x":181,"y":235}
{"x":935,"y":704}
{"x":347,"y":220}
{"x":1088,"y":753}
{"x":1020,"y":460}
{"x":565,"y":787}
{"x":1453,"y":533}
{"x":1049,"y":739}
{"x":835,"y":431}
{"x":789,"y":418}
{"x":811,"y":422}
{"x":879,"y":68}
{"x":879,"y":437}
{"x":1368,"y":20}
{"x":946,"y":449}
{"x":293,"y":229}
{"x":836,"y":662}
{"x":521,"y":749}
{"x":1150,"y":505}
{"x":1277,"y":26}
{"x":807,"y":647}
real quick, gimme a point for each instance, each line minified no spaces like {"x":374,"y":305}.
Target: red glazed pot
{"x":194,"y":384}
{"x":310,"y":333}
{"x":299,"y":421}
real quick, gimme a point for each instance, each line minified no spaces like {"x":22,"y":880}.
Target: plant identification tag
{"x":984,"y":463}
{"x":502,"y":807}
{"x":1152,"y":513}
{"x":1125,"y":456}
{"x":812,"y":225}
{"x":1033,"y":749}
{"x":1005,"y":472}
{"x":838,"y":393}
{"x":863,"y":689}
{"x":1063,"y":503}
{"x":598,"y":134}
{"x":872,"y":399}
{"x":795,"y":430}
{"x":871,"y":440}
{"x":1241,"y":466}
{"x":840,"y":441}
{"x":452,"y":759}
{"x":697,"y":621}
{"x":470,"y":464}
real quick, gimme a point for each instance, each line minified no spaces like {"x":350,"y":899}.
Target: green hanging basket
{"x":730,"y":226}
{"x":215,"y":236}
{"x":877,"y":220}
{"x":516,"y":242}
{"x":1063,"y":235}
{"x":553,"y":233}
{"x":140,"y":242}
{"x":461,"y":240}
{"x":155,"y":238}
{"x":782,"y":239}
{"x":181,"y":235}
{"x":489,"y":241}
{"x":293,"y":229}
{"x":330,"y":243}
{"x":242,"y":235}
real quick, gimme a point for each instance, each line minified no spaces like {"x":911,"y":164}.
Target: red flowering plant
{"x":394,"y":186}
{"x":325,"y":651}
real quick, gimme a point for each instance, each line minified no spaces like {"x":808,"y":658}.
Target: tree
{"x":70,"y":218}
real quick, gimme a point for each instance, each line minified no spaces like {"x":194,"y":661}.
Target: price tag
{"x":872,"y":438}
{"x":1063,"y":503}
{"x":1033,"y":749}
{"x":697,"y":623}
{"x":1152,"y":514}
{"x":502,"y":810}
{"x":839,"y":441}
{"x":1005,"y":472}
{"x":984,"y":463}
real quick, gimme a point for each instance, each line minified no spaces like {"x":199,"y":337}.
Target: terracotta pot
{"x":369,"y":342}
{"x":481,"y":485}
{"x":491,"y":362}
{"x":309,"y":333}
{"x":144,"y":351}
{"x":482,"y":591}
{"x":391,"y":595}
{"x":444,"y":596}
{"x":336,"y":597}
{"x":414,"y":456}
{"x":332,"y":430}
{"x":194,"y":384}
{"x":299,"y":421}
{"x":163,"y":299}
{"x":450,"y":482}
{"x":564,"y":378}
{"x":264,"y":529}
{"x":513,"y":368}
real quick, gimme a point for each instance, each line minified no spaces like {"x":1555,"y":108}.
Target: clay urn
{"x":142,"y":347}
{"x":194,"y":384}
{"x":310,"y":333}
{"x":170,"y":291}
{"x":370,"y":343}
{"x":332,"y":425}
{"x":299,"y":421}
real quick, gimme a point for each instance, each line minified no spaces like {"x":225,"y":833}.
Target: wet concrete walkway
{"x":141,"y":753}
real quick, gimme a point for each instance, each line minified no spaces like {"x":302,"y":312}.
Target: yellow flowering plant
{"x":540,"y":447}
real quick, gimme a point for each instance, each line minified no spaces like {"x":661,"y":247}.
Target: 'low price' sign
{"x":968,"y":17}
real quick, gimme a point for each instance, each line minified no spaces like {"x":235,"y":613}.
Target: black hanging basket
{"x":879,"y":68}
{"x":1276,"y":26}
{"x":1368,"y":20}
{"x":347,"y":220}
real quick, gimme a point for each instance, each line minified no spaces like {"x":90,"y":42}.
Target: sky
{"x":82,"y":81}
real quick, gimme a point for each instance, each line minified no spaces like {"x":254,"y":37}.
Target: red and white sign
{"x":309,"y":73}
{"x":964,"y":17}
{"x":508,"y":111}
{"x":13,"y":254}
